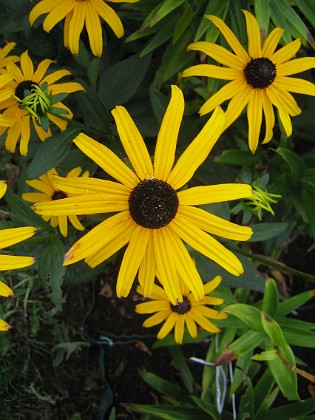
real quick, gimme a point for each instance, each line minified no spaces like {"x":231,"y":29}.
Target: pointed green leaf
{"x":289,"y":411}
{"x":161,"y":385}
{"x":273,"y":330}
{"x":169,"y":412}
{"x":237,"y":157}
{"x":293,"y":303}
{"x":271,"y":297}
{"x":265,"y":355}
{"x":246,"y":407}
{"x":262,"y":389}
{"x":265,"y":231}
{"x":183,"y":368}
{"x":247,"y":313}
{"x":295,"y":162}
{"x":244,"y":344}
{"x":207,"y":407}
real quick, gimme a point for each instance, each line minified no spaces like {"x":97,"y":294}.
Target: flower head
{"x":189,"y":312}
{"x":10,"y":237}
{"x":50,"y":192}
{"x":153,"y":217}
{"x":259,"y":78}
{"x":78,"y":13}
{"x":33,"y":96}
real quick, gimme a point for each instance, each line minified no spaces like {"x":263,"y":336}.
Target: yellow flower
{"x":153,"y":218}
{"x":190,"y":312}
{"x":10,"y":237}
{"x":49,"y":192}
{"x":259,"y":78}
{"x":22,"y":101}
{"x":78,"y":13}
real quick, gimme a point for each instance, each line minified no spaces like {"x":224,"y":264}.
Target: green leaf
{"x":22,"y":213}
{"x":307,"y":8}
{"x":240,"y":372}
{"x":51,"y":270}
{"x":164,"y":34}
{"x":263,"y":394}
{"x":183,"y":368}
{"x":289,"y":411}
{"x":120,"y":82}
{"x":161,"y":385}
{"x":296,"y":337}
{"x":265,"y":231}
{"x":262,"y":13}
{"x":237,"y":157}
{"x":214,"y":7}
{"x":50,"y":153}
{"x":271,"y":297}
{"x":169,"y":412}
{"x":166,"y":8}
{"x":94,"y":112}
{"x":273,"y":330}
{"x":294,"y":302}
{"x":265,"y":355}
{"x":247,"y":313}
{"x":295,"y":162}
{"x":246,"y":407}
{"x":207,"y":407}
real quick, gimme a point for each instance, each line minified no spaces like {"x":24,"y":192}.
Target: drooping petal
{"x":107,"y":160}
{"x":147,"y":270}
{"x":203,"y":322}
{"x":237,"y":104}
{"x":63,"y":225}
{"x":253,"y":35}
{"x":131,"y":261}
{"x":25,"y":134}
{"x":97,"y":238}
{"x":179,"y":330}
{"x":155,"y":319}
{"x":197,"y":151}
{"x":208,"y":246}
{"x":5,"y":290}
{"x":254,"y":117}
{"x":67,"y":87}
{"x":230,"y":37}
{"x":13,"y":236}
{"x":94,"y":29}
{"x":215,"y":225}
{"x":191,"y":325}
{"x":58,"y":13}
{"x":163,"y":253}
{"x":286,"y":53}
{"x":271,"y":42}
{"x":4,"y":326}
{"x":75,"y":222}
{"x":212,"y":284}
{"x":269,"y":117}
{"x":133,"y":143}
{"x":218,"y":53}
{"x":76,"y":26}
{"x":167,"y":138}
{"x":295,"y":85}
{"x":110,"y":17}
{"x":282,"y":99}
{"x":43,"y":7}
{"x":213,"y":194}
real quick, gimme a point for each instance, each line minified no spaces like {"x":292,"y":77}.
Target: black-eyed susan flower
{"x":190,"y":312}
{"x":77,"y":14}
{"x":259,"y":78}
{"x":153,"y":217}
{"x":49,"y":191}
{"x":9,"y":237}
{"x":33,"y":96}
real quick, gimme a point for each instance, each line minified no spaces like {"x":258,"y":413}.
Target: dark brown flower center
{"x":260,"y":72}
{"x":58,"y":195}
{"x":24,"y":88}
{"x":182,"y":307}
{"x":153,"y":203}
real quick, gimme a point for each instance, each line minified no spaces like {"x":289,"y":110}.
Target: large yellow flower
{"x":28,"y":97}
{"x":78,"y":13}
{"x":190,"y":312}
{"x":153,"y":218}
{"x":259,"y":78}
{"x":10,"y":237}
{"x":49,"y":192}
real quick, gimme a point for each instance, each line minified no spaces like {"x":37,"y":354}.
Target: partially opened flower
{"x":259,"y":78}
{"x":49,"y":192}
{"x":33,"y":96}
{"x":190,"y":312}
{"x":9,"y":237}
{"x":78,"y":14}
{"x":153,"y":217}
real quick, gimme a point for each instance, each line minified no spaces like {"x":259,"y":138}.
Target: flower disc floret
{"x":260,"y":72}
{"x":153,"y":203}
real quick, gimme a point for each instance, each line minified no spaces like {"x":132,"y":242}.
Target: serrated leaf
{"x":119,"y":83}
{"x":51,"y":270}
{"x":50,"y":153}
{"x":265,"y":231}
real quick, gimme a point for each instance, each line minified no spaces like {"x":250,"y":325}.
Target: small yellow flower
{"x":49,"y":191}
{"x":155,"y":216}
{"x":259,"y":78}
{"x":78,"y":13}
{"x":18,"y":95}
{"x":190,"y":312}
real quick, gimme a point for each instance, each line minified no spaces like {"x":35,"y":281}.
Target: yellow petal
{"x":203,"y":322}
{"x":131,"y":261}
{"x":237,"y":104}
{"x":25,"y":135}
{"x":168,"y":325}
{"x":179,"y":329}
{"x":76,"y":26}
{"x":282,"y":99}
{"x":41,"y":70}
{"x":76,"y":223}
{"x":3,"y":188}
{"x":254,"y":117}
{"x":191,"y":325}
{"x":295,"y":85}
{"x":208,"y":70}
{"x":152,"y":306}
{"x":4,"y":326}
{"x":167,"y":138}
{"x":155,"y":319}
{"x":295,"y":66}
{"x":271,"y":42}
{"x":133,"y":143}
{"x":197,"y":151}
{"x":285,"y":53}
{"x":58,"y":13}
{"x":269,"y":117}
{"x":147,"y":270}
{"x":94,"y":29}
{"x":11,"y":262}
{"x":27,"y":66}
{"x":253,"y":35}
{"x":211,"y":285}
{"x":5,"y":290}
{"x":110,"y":17}
{"x":107,"y":160}
{"x":42,"y":185}
{"x":208,"y":246}
{"x":43,"y":7}
{"x":215,"y":225}
{"x":213,"y":194}
{"x":13,"y":236}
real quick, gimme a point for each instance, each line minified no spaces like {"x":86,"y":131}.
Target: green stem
{"x":269,"y":263}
